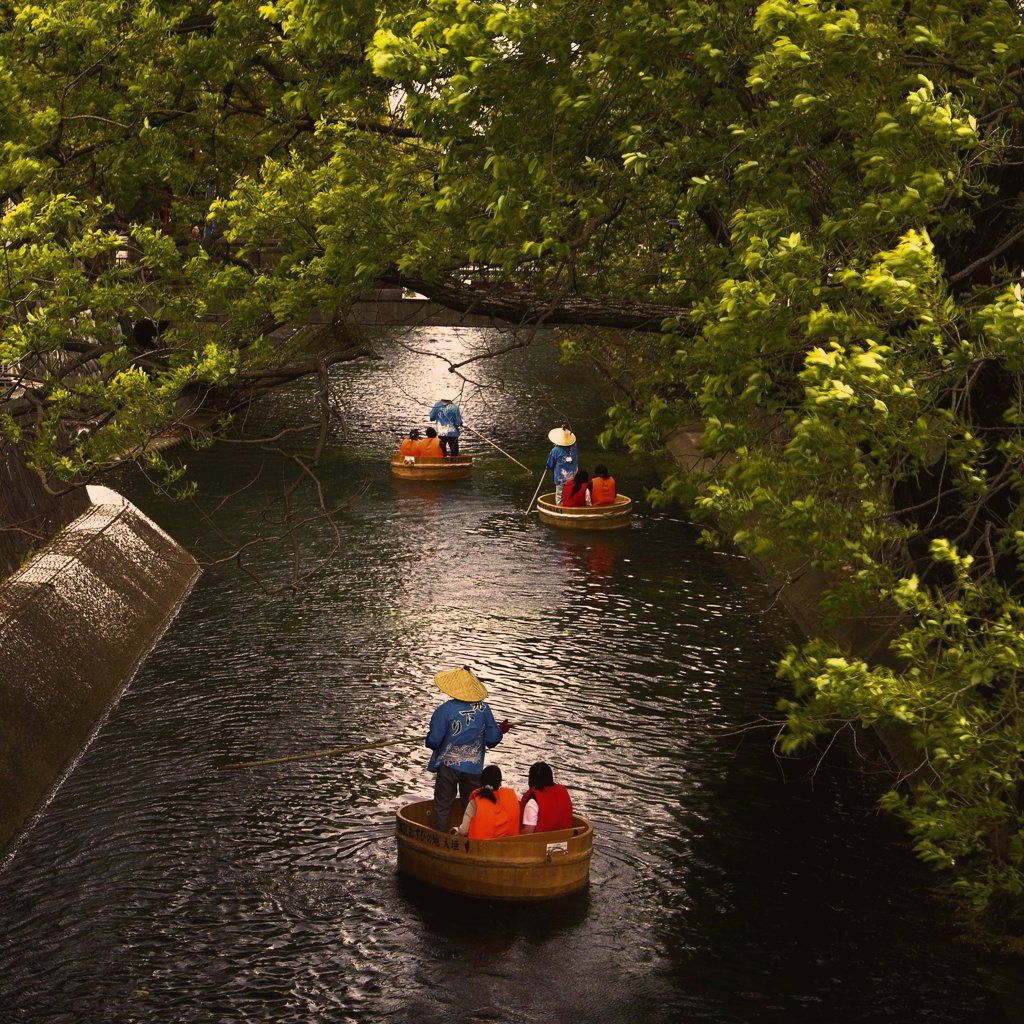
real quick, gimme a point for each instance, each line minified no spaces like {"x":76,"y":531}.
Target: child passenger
{"x":431,"y":445}
{"x":577,"y":491}
{"x":546,"y":807}
{"x":493,"y":809}
{"x":412,"y":445}
{"x":602,"y":487}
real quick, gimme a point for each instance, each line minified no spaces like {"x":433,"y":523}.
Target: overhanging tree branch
{"x":524,"y":308}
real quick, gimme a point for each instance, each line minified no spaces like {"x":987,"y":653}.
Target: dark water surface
{"x":726,"y":887}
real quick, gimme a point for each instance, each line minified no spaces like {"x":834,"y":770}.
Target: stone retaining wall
{"x":75,"y":623}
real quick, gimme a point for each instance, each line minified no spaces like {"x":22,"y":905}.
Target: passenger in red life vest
{"x":493,"y":809}
{"x":577,"y":491}
{"x":602,"y":487}
{"x":545,"y":807}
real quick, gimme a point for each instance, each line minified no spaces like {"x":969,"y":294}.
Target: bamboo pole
{"x":493,"y":445}
{"x":540,"y":484}
{"x":311,"y":754}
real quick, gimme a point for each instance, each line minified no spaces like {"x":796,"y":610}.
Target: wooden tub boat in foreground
{"x":597,"y":517}
{"x":428,"y":468}
{"x":538,"y":866}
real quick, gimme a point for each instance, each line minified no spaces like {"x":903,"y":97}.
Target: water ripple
{"x":725,"y":887}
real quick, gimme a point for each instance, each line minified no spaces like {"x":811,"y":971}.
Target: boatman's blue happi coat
{"x":563,"y":460}
{"x":447,"y":417}
{"x":458,"y":733}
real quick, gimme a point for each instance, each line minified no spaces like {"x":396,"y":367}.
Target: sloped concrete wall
{"x":75,"y":623}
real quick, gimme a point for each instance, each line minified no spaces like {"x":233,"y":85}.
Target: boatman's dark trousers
{"x":446,"y":783}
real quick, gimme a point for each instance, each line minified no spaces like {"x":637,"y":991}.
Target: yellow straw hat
{"x":563,"y":436}
{"x":461,"y":684}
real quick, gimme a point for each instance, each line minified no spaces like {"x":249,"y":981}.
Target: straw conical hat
{"x":461,"y":684}
{"x":562,"y":436}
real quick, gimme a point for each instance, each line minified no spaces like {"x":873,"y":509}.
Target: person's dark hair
{"x":540,"y":776}
{"x":431,"y":432}
{"x":414,"y":434}
{"x":601,"y":471}
{"x":490,"y":780}
{"x":581,"y":479}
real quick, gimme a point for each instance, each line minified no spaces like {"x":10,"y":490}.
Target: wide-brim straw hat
{"x":461,"y":684}
{"x":562,"y":436}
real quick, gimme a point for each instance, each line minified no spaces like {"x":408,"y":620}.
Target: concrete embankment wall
{"x":75,"y":623}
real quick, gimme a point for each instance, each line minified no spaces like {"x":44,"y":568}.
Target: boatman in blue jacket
{"x":459,"y":731}
{"x":563,"y":460}
{"x":448,"y":419}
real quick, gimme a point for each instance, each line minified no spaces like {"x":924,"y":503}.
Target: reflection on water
{"x":725,"y":886}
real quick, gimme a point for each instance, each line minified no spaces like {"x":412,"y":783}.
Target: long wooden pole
{"x":540,"y":484}
{"x":311,"y":754}
{"x":493,"y":445}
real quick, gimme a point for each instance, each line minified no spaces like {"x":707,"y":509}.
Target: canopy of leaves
{"x":806,"y":217}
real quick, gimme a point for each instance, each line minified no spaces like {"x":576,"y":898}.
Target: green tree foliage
{"x":123,"y":124}
{"x":805,"y":217}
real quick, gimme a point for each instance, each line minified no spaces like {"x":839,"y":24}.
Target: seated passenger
{"x":545,"y":806}
{"x":493,"y":809}
{"x":577,"y":491}
{"x":412,"y":445}
{"x":431,"y":445}
{"x":602,"y":487}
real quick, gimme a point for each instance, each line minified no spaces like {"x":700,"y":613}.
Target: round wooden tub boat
{"x":538,"y":866}
{"x":425,"y":467}
{"x":597,"y":517}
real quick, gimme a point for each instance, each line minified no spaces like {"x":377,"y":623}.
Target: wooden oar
{"x":540,"y":484}
{"x":329,"y":752}
{"x":493,"y":445}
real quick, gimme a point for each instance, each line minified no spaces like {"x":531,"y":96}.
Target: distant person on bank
{"x":546,"y":806}
{"x":577,"y":491}
{"x":563,"y":460}
{"x":431,"y":445}
{"x":602,"y":487}
{"x":448,"y":419}
{"x":460,"y":729}
{"x":493,"y":809}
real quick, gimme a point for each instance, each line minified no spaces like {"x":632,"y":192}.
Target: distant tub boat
{"x":425,"y":467}
{"x":586,"y":517}
{"x":538,"y":866}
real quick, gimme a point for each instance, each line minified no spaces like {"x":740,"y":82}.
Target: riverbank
{"x":76,"y":621}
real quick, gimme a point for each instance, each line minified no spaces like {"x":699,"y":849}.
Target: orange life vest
{"x":491,"y":821}
{"x":411,"y":447}
{"x":431,"y":448}
{"x":602,"y":490}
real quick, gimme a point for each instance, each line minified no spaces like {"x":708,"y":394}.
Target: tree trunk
{"x":29,"y":514}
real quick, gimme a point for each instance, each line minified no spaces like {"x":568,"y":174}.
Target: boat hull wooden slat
{"x":429,"y":468}
{"x":590,"y":517}
{"x":540,"y":866}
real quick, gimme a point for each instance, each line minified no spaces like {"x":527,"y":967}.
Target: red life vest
{"x":577,"y":498}
{"x":554,"y":807}
{"x":491,"y":821}
{"x":602,"y":490}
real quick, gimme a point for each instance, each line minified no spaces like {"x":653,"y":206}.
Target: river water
{"x":727,"y":886}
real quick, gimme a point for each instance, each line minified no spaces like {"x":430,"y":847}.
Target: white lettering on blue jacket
{"x":447,"y":417}
{"x":564,"y":462}
{"x":458,"y":733}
